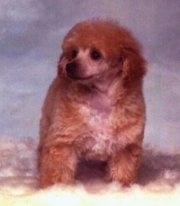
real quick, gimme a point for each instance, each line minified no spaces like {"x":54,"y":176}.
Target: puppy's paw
{"x":57,"y":165}
{"x":123,"y":166}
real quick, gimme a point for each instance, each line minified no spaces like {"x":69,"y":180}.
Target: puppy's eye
{"x":74,"y":53}
{"x":95,"y":54}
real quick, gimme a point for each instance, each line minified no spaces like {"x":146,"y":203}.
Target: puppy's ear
{"x":61,"y":64}
{"x":134,"y":67}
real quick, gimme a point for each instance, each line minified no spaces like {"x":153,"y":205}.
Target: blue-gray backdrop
{"x":31,"y":32}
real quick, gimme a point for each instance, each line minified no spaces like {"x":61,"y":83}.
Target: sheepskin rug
{"x":158,"y":182}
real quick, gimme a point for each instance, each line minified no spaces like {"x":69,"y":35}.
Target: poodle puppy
{"x":94,"y":108}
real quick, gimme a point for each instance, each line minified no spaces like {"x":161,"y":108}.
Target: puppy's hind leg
{"x":57,"y":164}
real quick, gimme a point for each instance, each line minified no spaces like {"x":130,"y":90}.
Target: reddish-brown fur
{"x":79,"y":120}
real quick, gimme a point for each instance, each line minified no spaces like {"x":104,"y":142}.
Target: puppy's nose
{"x":71,"y":69}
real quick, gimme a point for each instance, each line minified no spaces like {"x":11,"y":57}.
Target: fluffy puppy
{"x":94,"y":108}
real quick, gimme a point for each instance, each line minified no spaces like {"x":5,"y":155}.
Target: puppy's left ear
{"x":61,"y":64}
{"x":134,"y":67}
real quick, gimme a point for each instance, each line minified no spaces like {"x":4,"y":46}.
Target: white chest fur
{"x":100,"y":141}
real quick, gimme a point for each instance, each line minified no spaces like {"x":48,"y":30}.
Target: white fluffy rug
{"x":158,"y":184}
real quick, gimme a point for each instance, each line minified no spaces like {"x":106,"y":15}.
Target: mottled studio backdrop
{"x":31,"y":32}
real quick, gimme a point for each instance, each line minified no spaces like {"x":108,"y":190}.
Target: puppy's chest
{"x":97,"y":119}
{"x":101,"y":138}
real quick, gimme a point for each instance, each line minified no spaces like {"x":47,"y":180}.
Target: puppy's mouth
{"x":78,"y":78}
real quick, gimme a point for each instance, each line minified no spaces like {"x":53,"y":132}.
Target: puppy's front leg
{"x":57,"y":164}
{"x":123,"y":165}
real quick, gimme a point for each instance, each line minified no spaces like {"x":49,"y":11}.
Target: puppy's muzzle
{"x":71,"y":70}
{"x":74,"y":70}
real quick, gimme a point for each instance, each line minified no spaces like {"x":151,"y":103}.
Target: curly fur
{"x":97,"y":118}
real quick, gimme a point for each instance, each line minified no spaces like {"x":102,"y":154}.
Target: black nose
{"x":71,"y":69}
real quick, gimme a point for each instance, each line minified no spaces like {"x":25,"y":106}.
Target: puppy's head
{"x":101,"y":50}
